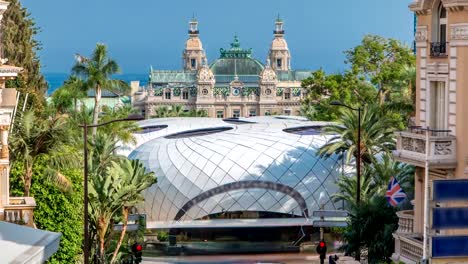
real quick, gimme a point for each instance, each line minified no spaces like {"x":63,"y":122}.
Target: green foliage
{"x":178,"y":111}
{"x":323,"y":89}
{"x":372,"y":224}
{"x":37,"y":136}
{"x":380,"y":61}
{"x":374,"y":180}
{"x":380,"y":70}
{"x":20,"y":47}
{"x":376,"y":134}
{"x":56,"y":211}
{"x":163,"y":236}
{"x":96,"y":73}
{"x":112,"y":192}
{"x":65,"y":99}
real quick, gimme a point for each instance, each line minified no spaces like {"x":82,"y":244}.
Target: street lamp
{"x":85,"y":126}
{"x":358,"y":162}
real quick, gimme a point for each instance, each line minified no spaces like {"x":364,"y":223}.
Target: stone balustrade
{"x":405,"y":223}
{"x":20,"y":210}
{"x":408,"y":245}
{"x":411,"y":250}
{"x":411,"y":148}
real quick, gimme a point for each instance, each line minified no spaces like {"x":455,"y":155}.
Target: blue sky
{"x":141,"y":33}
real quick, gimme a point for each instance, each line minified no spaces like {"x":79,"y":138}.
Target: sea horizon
{"x":56,"y":79}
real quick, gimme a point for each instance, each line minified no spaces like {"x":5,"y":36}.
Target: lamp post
{"x":358,"y":161}
{"x":85,"y":127}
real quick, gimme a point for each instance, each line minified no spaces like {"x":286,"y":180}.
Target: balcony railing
{"x":439,"y":49}
{"x":411,"y":147}
{"x":408,"y":245}
{"x":20,"y":211}
{"x":405,"y":222}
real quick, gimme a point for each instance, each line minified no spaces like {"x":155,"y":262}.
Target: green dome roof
{"x":232,"y":66}
{"x":236,"y":61}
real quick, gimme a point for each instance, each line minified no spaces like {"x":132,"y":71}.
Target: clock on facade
{"x":268,"y":91}
{"x":235,"y":91}
{"x":205,"y":91}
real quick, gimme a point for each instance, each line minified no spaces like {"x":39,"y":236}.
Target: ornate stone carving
{"x":268,"y":75}
{"x":413,"y":144}
{"x":443,"y":148}
{"x":421,"y":34}
{"x":459,"y":31}
{"x":205,"y":75}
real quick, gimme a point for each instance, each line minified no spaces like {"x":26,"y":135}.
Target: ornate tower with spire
{"x":193,"y":55}
{"x":279,"y":55}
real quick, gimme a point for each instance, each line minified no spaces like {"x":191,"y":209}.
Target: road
{"x":288,"y":258}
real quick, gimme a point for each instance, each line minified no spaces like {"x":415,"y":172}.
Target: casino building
{"x":234,"y":85}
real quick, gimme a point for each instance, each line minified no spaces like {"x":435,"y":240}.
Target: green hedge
{"x":56,"y":211}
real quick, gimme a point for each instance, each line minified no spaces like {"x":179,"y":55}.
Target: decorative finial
{"x":194,"y":19}
{"x":268,"y":63}
{"x":235,"y":44}
{"x":204,"y":62}
{"x":278,"y":19}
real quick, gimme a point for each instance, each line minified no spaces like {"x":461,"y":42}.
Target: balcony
{"x":20,"y":211}
{"x":411,"y":148}
{"x":439,"y":49}
{"x":405,"y":222}
{"x":408,"y":245}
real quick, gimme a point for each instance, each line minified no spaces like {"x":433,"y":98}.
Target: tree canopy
{"x":20,"y":48}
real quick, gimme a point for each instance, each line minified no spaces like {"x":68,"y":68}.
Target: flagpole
{"x":426,"y":202}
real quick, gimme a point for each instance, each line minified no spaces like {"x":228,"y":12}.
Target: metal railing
{"x":432,"y":132}
{"x":438,"y":49}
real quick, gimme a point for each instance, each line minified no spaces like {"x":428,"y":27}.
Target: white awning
{"x":21,"y":244}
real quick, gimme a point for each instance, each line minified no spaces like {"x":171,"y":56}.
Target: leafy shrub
{"x":56,"y":211}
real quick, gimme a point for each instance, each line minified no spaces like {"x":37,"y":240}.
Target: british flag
{"x":395,"y":194}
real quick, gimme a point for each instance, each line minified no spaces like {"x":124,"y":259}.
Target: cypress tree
{"x":20,"y":48}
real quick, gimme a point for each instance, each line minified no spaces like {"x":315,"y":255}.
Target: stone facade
{"x":441,"y":84}
{"x":234,"y":85}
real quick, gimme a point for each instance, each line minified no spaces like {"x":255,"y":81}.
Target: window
{"x":287,"y":112}
{"x":437,"y":107}
{"x":287,"y":95}
{"x":193,"y":63}
{"x":252,"y":112}
{"x":279,"y":63}
{"x":167,"y":95}
{"x":185,"y":95}
{"x":220,"y":114}
{"x":439,"y":31}
{"x":442,"y":13}
{"x":267,"y":112}
{"x":236,"y":113}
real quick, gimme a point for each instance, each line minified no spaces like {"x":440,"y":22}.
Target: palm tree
{"x":119,"y":130}
{"x":376,"y":177}
{"x":96,"y":72}
{"x":136,"y":179}
{"x":114,"y":192}
{"x":376,"y":135}
{"x":177,"y":111}
{"x":347,"y":189}
{"x":162,"y":111}
{"x":68,"y":94}
{"x":37,"y":137}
